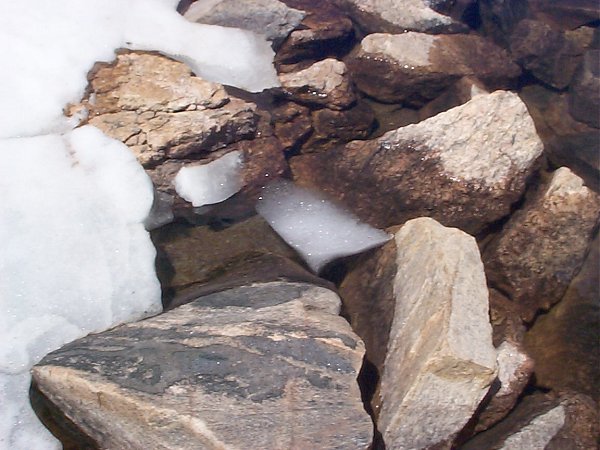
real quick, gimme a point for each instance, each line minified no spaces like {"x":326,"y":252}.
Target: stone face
{"x":398,"y":16}
{"x":414,"y":68}
{"x":568,"y":336}
{"x":261,"y":366}
{"x":545,"y":52}
{"x":440,"y":360}
{"x":543,"y":246}
{"x":173,"y":115}
{"x":271,"y":18}
{"x":324,"y":83}
{"x":584,"y":101}
{"x":464,"y":167}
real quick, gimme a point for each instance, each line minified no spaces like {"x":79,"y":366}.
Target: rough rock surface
{"x":584,"y":103}
{"x":440,"y":361}
{"x":568,"y":337}
{"x":500,"y":17}
{"x":323,"y":83}
{"x":398,"y":16}
{"x":566,"y":14}
{"x":292,"y":124}
{"x":173,"y":115}
{"x":457,"y":94}
{"x":545,"y":52}
{"x":568,"y":421}
{"x":414,"y":68}
{"x":543,"y":246}
{"x":271,"y":18}
{"x":464,"y":167}
{"x":263,"y":366}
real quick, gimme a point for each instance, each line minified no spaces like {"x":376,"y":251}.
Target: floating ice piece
{"x":317,"y":229}
{"x":210,"y":183}
{"x":75,"y":257}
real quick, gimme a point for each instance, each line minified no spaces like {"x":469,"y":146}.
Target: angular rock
{"x":464,"y":167}
{"x":545,"y":52}
{"x":543,"y":246}
{"x":566,"y":14}
{"x":568,"y":337}
{"x":440,"y":360}
{"x":414,"y":68}
{"x":466,"y":11}
{"x":324,"y":83}
{"x":398,"y":16}
{"x":584,"y":101}
{"x":271,"y":18}
{"x":325,"y":32}
{"x":265,"y":366}
{"x":171,"y":115}
{"x":505,"y":317}
{"x":292,"y":124}
{"x":500,"y":17}
{"x":569,"y":421}
{"x":457,"y":94}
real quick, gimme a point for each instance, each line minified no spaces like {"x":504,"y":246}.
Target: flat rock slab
{"x":464,"y":167}
{"x":413,"y":68}
{"x":266,"y":366}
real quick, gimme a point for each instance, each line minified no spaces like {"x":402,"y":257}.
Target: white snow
{"x":75,"y":255}
{"x":210,"y":183}
{"x":318,"y":229}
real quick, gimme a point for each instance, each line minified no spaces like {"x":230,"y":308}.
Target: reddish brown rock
{"x":414,"y":68}
{"x":543,"y":246}
{"x":506,"y":319}
{"x":457,"y":94}
{"x":464,"y":167}
{"x":291,"y":124}
{"x":565,"y":343}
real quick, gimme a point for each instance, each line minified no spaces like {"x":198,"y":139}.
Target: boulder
{"x":543,"y":245}
{"x":548,"y":54}
{"x":544,"y":421}
{"x":174,"y":115}
{"x":271,"y":18}
{"x":414,"y":68}
{"x":324,"y":83}
{"x":464,"y":167}
{"x":265,"y":366}
{"x":440,"y":361}
{"x":584,"y":101}
{"x":568,"y":336}
{"x":398,"y":16}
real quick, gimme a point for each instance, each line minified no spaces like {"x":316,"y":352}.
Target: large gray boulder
{"x":266,"y":366}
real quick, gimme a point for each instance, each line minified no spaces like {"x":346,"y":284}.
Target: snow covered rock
{"x":267,"y":366}
{"x":464,"y":167}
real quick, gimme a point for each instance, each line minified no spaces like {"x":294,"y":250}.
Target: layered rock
{"x":271,"y":18}
{"x":398,"y":16}
{"x":434,"y":375}
{"x":414,"y":68}
{"x":543,"y":246}
{"x":262,"y":366}
{"x":464,"y":167}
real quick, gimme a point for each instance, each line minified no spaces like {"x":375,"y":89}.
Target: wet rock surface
{"x":270,"y":364}
{"x":464,"y":167}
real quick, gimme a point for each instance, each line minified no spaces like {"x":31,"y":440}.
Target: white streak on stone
{"x":407,"y":48}
{"x":538,"y":433}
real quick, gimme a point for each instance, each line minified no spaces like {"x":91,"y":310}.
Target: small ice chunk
{"x":210,"y":183}
{"x":316,"y":228}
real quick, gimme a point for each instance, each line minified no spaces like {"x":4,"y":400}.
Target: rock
{"x":545,"y":52}
{"x":324,"y":83}
{"x":584,"y":101}
{"x":546,"y":422}
{"x":413,"y":68}
{"x":543,"y":246}
{"x":457,"y":94}
{"x":466,"y":11}
{"x":265,"y":366}
{"x":292,"y":124}
{"x":174,"y":115}
{"x":568,"y":336}
{"x":505,"y":316}
{"x":398,"y":16}
{"x":271,"y":18}
{"x":567,"y":142}
{"x":325,"y":32}
{"x":440,"y":360}
{"x":500,"y":17}
{"x":464,"y":167}
{"x":566,"y":14}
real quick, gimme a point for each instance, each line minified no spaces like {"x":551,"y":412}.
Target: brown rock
{"x":292,"y":124}
{"x":506,"y":319}
{"x":565,"y":343}
{"x":463,"y":167}
{"x":414,"y":68}
{"x":171,"y":115}
{"x":566,"y":14}
{"x":543,"y":246}
{"x":324,"y":83}
{"x":584,"y":101}
{"x":545,"y":52}
{"x":457,"y":94}
{"x":500,"y":17}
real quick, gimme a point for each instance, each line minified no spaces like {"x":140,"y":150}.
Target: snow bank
{"x":319,"y":230}
{"x":210,"y":183}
